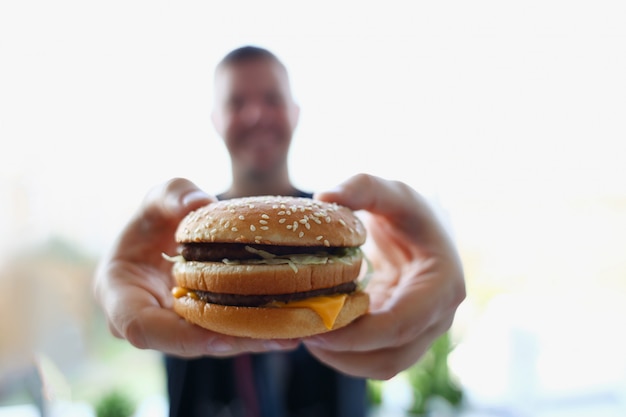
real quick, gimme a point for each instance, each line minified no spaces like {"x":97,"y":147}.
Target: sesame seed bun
{"x":295,"y":249}
{"x":273,"y":220}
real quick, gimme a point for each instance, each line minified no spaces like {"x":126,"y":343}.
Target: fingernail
{"x":220,"y":346}
{"x":334,"y":190}
{"x":194,"y":196}
{"x":272,"y":345}
{"x":314,"y":341}
{"x":277,"y":345}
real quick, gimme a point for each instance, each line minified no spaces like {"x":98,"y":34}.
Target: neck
{"x":244,"y":186}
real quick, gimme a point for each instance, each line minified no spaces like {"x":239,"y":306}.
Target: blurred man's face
{"x":255,"y":114}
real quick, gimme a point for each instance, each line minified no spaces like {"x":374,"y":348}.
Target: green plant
{"x":375,"y":392}
{"x":115,"y":404}
{"x":430,"y":377}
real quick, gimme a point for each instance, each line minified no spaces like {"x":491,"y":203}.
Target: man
{"x":416,"y":286}
{"x":256,"y":115}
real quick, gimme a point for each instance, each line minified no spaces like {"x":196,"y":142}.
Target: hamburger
{"x":270,"y":267}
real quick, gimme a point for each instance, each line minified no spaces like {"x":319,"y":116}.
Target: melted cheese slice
{"x":327,"y":307}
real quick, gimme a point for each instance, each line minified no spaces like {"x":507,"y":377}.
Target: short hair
{"x":246,"y":54}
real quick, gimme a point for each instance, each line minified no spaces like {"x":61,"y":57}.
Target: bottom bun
{"x":267,"y":322}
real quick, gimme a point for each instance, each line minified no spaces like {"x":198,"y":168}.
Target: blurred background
{"x":510,"y":116}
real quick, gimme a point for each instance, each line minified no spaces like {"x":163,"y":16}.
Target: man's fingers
{"x":390,"y":202}
{"x":374,"y":331}
{"x":177,"y":197}
{"x":151,"y":230}
{"x":373,"y":194}
{"x":163,"y":330}
{"x":414,"y":306}
{"x":380,"y":364}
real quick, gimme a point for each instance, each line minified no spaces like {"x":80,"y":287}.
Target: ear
{"x":294,"y":115}
{"x":217,"y":121}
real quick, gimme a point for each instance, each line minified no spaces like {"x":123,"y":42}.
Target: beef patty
{"x":259,"y":300}
{"x":216,"y":252}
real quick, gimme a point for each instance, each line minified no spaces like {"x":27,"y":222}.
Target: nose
{"x":251,"y":113}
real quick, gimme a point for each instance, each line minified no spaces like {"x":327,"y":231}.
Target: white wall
{"x":99,"y":101}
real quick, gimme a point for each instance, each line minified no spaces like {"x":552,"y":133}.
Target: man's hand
{"x":133,"y":282}
{"x":416,"y":287}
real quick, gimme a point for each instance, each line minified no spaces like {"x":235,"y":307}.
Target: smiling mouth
{"x":261,"y":137}
{"x":261,"y":142}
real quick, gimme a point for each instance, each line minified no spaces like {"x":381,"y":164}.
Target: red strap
{"x":245,"y":385}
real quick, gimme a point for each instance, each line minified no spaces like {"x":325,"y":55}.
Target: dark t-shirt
{"x":274,"y":384}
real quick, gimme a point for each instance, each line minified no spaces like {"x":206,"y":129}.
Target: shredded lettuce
{"x":268,"y":258}
{"x":176,"y":258}
{"x":292,"y":260}
{"x":368,"y":274}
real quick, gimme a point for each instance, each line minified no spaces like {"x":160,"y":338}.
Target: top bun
{"x":273,"y":220}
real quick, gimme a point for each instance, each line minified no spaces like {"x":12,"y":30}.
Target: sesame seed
{"x":308,"y":225}
{"x":301,"y":234}
{"x":264,"y":228}
{"x":252,"y":228}
{"x":283,"y":220}
{"x":326,"y":243}
{"x":234,"y":229}
{"x":265,"y":216}
{"x":289,"y":226}
{"x":327,"y":219}
{"x":295,"y":226}
{"x":281,"y":213}
{"x":288,"y":212}
{"x":263,"y":221}
{"x":241,"y":217}
{"x":320,"y":237}
{"x":213,"y":231}
{"x":304,"y":221}
{"x":258,"y":238}
{"x":227,"y":225}
{"x":342,"y":222}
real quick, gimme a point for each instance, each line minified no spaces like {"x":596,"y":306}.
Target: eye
{"x":235,"y":103}
{"x":274,"y":99}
